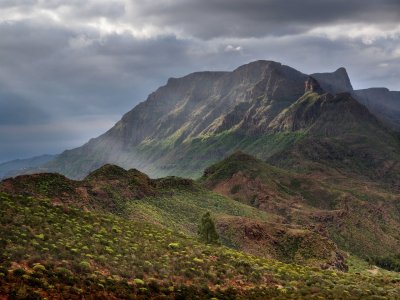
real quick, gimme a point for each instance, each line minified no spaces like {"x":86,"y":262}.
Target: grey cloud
{"x":17,"y":3}
{"x":15,"y":110}
{"x":256,"y":18}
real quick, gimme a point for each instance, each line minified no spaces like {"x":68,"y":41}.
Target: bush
{"x":138,"y":281}
{"x":19,"y":272}
{"x":207,"y":232}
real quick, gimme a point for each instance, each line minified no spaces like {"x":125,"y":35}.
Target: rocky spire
{"x":312,"y":85}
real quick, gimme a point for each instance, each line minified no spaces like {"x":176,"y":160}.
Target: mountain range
{"x":260,"y":108}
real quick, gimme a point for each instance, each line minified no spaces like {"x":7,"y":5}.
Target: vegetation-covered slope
{"x":178,"y":204}
{"x":339,"y":135}
{"x":360,"y":216}
{"x":60,"y":251}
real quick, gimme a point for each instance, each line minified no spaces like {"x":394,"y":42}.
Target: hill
{"x":60,"y":251}
{"x":177,"y":204}
{"x":361,"y":217}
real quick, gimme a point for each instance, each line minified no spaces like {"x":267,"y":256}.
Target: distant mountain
{"x":383,"y":103}
{"x":19,"y":166}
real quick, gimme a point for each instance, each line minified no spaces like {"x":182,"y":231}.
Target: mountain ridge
{"x":194,"y":121}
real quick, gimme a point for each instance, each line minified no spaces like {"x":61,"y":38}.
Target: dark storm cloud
{"x":256,"y":18}
{"x":69,"y":69}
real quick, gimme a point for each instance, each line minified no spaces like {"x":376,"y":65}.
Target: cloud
{"x":258,"y":18}
{"x":231,"y":48}
{"x":75,"y":60}
{"x":16,"y":110}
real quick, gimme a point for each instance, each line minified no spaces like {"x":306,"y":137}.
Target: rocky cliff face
{"x":198,"y":104}
{"x":198,"y":119}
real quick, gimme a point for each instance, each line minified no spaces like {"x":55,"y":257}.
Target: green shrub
{"x":173,"y":245}
{"x":138,"y":281}
{"x":19,"y":272}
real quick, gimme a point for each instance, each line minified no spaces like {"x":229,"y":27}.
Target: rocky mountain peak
{"x":312,"y":85}
{"x":335,"y":82}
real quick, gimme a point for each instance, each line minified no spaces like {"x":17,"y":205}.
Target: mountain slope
{"x":103,"y":256}
{"x":383,"y":103}
{"x":339,"y":134}
{"x":177,"y":204}
{"x":359,"y":216}
{"x":194,"y":107}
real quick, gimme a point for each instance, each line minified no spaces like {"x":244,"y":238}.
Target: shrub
{"x":173,"y":245}
{"x":207,"y":232}
{"x":39,"y":268}
{"x":19,"y":272}
{"x":138,"y":281}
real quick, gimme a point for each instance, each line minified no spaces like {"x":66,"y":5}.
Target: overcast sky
{"x":69,"y":69}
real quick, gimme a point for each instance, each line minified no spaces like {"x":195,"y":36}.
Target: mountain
{"x":339,"y":135}
{"x":295,"y":121}
{"x":336,"y":82}
{"x":383,"y":103}
{"x":160,"y":135}
{"x":18,"y":166}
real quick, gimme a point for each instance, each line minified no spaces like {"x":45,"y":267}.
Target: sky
{"x":69,"y":69}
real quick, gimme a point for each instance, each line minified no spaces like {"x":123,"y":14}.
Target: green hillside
{"x":361,"y":217}
{"x":51,"y":250}
{"x":178,"y":204}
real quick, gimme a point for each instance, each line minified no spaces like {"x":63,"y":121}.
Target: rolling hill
{"x":120,"y":234}
{"x":177,"y":204}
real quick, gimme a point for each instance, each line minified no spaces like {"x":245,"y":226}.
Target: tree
{"x":207,"y":232}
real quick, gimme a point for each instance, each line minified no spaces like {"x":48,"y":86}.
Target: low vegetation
{"x":50,"y":250}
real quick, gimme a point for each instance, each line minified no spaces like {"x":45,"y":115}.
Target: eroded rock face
{"x":312,"y":85}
